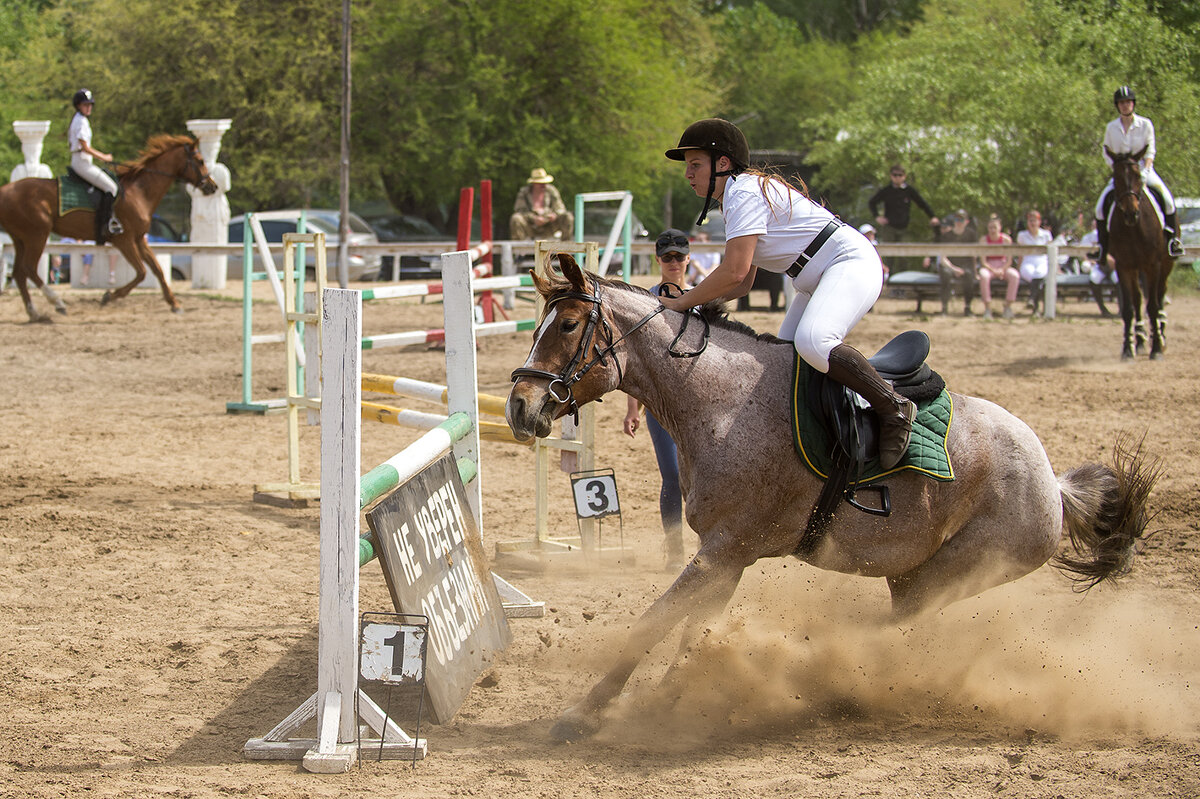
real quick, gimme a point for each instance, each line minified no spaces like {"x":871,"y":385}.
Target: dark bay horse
{"x":1137,"y":245}
{"x":29,"y":212}
{"x":748,"y":496}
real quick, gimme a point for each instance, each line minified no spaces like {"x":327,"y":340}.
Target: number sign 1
{"x":393,"y":651}
{"x":595,"y":494}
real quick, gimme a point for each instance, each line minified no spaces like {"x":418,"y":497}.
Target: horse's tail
{"x":1106,"y":512}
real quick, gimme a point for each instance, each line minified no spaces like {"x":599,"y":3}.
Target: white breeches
{"x":83,"y":166}
{"x":833,"y":292}
{"x":1153,"y":181}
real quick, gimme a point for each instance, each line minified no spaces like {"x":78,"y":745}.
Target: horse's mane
{"x":714,"y":312}
{"x":156,"y":146}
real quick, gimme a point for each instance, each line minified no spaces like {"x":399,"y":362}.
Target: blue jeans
{"x":670,"y":497}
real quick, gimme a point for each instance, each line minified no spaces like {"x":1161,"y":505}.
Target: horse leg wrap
{"x":848,"y":367}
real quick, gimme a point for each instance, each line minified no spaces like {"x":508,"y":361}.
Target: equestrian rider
{"x":772,"y":224}
{"x":79,"y":138}
{"x":1129,"y":133}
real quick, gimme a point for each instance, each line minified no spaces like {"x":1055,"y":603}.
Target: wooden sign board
{"x":433,"y":561}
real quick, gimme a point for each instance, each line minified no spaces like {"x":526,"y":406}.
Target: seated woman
{"x":997,"y":267}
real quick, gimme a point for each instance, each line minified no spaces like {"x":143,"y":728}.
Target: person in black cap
{"x":772,"y":224}
{"x":672,"y":252}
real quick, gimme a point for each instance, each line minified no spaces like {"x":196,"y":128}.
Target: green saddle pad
{"x":73,"y":195}
{"x":926,"y":450}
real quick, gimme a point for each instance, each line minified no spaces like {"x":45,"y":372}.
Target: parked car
{"x":1189,"y":222}
{"x":162,"y":231}
{"x":409,"y":228}
{"x":598,"y":220}
{"x":276,"y":223}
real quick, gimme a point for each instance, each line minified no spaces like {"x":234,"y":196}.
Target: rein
{"x":561,"y":385}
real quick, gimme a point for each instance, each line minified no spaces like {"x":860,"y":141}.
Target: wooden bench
{"x":922,"y":286}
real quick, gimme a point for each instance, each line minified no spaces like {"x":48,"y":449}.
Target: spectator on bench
{"x":997,"y":267}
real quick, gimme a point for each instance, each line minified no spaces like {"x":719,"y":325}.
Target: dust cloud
{"x":799,"y":647}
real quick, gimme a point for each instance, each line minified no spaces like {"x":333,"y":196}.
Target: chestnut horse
{"x":1137,"y":245}
{"x":748,"y":496}
{"x":29,"y":212}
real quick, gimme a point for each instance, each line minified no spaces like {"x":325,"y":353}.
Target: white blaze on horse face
{"x":537,"y":338}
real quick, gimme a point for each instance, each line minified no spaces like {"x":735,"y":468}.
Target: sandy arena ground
{"x":154,"y":618}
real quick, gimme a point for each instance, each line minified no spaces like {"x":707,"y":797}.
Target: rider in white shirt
{"x":79,"y":139}
{"x":1129,"y":133}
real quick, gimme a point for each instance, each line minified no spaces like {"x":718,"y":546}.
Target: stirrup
{"x":114,"y":226}
{"x":1175,"y":247}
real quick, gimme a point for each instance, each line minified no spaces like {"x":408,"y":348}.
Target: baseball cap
{"x":671,"y":240}
{"x":866,"y":228}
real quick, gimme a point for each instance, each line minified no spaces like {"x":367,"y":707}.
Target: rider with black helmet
{"x":79,"y":138}
{"x":772,"y":224}
{"x":1129,"y":133}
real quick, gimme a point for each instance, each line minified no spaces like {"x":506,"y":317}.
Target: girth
{"x":854,"y":430}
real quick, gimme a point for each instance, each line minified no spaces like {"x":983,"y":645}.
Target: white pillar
{"x":210,"y":214}
{"x":32,"y":134}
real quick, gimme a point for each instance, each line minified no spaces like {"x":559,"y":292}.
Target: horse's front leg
{"x":126,"y":245}
{"x":701,"y":591}
{"x":1129,"y":306}
{"x":149,"y":259}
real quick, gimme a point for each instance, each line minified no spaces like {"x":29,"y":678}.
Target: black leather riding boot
{"x":1102,"y":238}
{"x":848,"y":367}
{"x":1171,"y":233}
{"x":103,"y":212}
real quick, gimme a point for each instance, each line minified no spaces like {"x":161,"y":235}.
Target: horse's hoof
{"x":62,"y":311}
{"x":106,"y":299}
{"x":42,"y":320}
{"x":1127,"y":355}
{"x":177,"y":309}
{"x":573,"y":727}
{"x":1156,"y":356}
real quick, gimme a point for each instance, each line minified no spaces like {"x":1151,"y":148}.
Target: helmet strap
{"x":713,"y":174}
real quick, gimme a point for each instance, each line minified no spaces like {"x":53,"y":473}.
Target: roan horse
{"x":29,"y":212}
{"x":748,"y":496}
{"x":1137,"y":245}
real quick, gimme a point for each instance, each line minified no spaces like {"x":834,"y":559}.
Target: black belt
{"x":814,"y":247}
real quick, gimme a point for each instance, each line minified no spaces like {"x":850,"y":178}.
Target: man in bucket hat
{"x":539,"y":212}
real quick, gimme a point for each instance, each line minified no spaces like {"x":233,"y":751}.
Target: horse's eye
{"x":568,"y":325}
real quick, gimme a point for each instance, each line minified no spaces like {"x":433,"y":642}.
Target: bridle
{"x":1131,"y":174}
{"x":561,"y":385}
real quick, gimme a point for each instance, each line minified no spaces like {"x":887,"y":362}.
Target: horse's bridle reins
{"x":561,"y":385}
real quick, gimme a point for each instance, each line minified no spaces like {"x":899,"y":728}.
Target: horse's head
{"x":175,"y":157}
{"x":195,"y":172}
{"x":571,"y":362}
{"x":1127,"y":183}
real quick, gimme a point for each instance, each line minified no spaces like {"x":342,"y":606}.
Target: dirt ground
{"x":153,"y":618}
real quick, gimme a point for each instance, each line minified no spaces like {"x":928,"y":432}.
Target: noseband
{"x":561,"y":385}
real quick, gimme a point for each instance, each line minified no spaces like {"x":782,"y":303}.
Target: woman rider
{"x":79,"y":138}
{"x":771,"y":224}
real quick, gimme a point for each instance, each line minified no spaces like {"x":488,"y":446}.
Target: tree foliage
{"x":994,"y":106}
{"x":462,"y":90}
{"x":1000,"y":107}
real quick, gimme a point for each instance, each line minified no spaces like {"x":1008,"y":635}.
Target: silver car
{"x":276,"y":223}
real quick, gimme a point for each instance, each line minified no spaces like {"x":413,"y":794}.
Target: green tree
{"x":447,"y":93}
{"x":1002,"y":106}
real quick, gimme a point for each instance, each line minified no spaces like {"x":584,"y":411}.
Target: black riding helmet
{"x":82,"y":96}
{"x":1123,"y":93}
{"x":718,"y":138}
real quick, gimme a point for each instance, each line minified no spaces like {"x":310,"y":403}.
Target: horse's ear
{"x":572,"y":272}
{"x":1137,"y":157}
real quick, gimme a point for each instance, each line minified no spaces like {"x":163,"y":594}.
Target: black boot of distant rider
{"x":1102,"y":239}
{"x":848,"y":367}
{"x":1171,"y":232}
